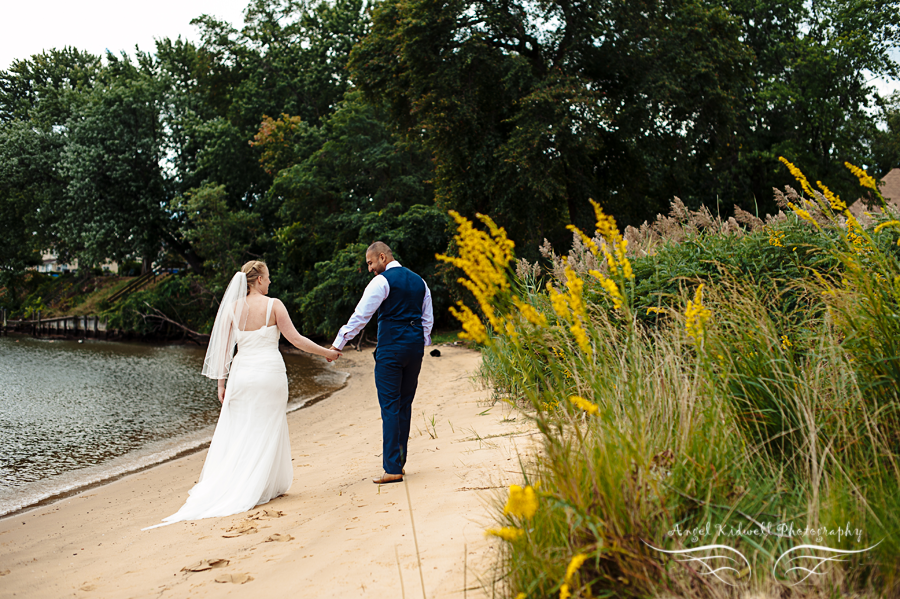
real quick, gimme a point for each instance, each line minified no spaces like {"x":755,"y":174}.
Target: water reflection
{"x":67,"y":407}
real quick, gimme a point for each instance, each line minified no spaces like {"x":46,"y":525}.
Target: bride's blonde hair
{"x":254,"y":270}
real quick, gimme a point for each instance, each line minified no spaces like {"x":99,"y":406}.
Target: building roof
{"x":890,"y":189}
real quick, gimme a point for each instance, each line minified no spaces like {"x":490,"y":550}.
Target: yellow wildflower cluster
{"x":614,"y":248}
{"x":606,"y":226}
{"x":775,"y":238}
{"x":473,"y":328}
{"x":559,"y":302}
{"x":833,"y":199}
{"x":590,"y":408}
{"x":785,"y":342}
{"x":587,"y":241}
{"x":856,"y":236}
{"x":581,"y":338}
{"x":864,"y":179}
{"x":561,"y":356}
{"x":803,"y":214}
{"x":611,"y":288}
{"x":799,"y":176}
{"x":507,"y":533}
{"x":570,"y":306}
{"x":484,"y":258}
{"x":696,"y":315}
{"x":574,"y":564}
{"x":530,"y":314}
{"x":522,"y":503}
{"x":888,"y":224}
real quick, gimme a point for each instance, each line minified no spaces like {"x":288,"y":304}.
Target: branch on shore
{"x":163,"y":318}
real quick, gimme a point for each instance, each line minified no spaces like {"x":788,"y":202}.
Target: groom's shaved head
{"x":378,"y":256}
{"x":380,"y":247}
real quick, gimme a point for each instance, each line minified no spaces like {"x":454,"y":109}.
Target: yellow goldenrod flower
{"x":785,"y":342}
{"x":564,"y":592}
{"x":559,"y":302}
{"x":856,"y":236}
{"x":584,"y":404}
{"x":803,"y":214}
{"x":655,"y":311}
{"x":530,"y":314}
{"x":573,"y":566}
{"x":610,"y":287}
{"x":606,"y":226}
{"x":799,"y":176}
{"x":581,"y":338}
{"x":511,"y":331}
{"x":885,"y":225}
{"x":696,"y":315}
{"x":507,"y":533}
{"x":833,"y":199}
{"x":775,"y":238}
{"x":864,"y":179}
{"x":575,"y":286}
{"x":484,"y":258}
{"x":472,"y":326}
{"x":521,"y":596}
{"x":587,"y":241}
{"x":522,"y":503}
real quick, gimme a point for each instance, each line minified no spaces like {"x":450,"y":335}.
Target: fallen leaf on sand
{"x":244,"y":528}
{"x":206,"y":564}
{"x":4,"y":572}
{"x":279,"y":538}
{"x":235,"y":578}
{"x":88,"y":587}
{"x":266,"y":515}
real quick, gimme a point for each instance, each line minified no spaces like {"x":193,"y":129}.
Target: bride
{"x":249,"y":459}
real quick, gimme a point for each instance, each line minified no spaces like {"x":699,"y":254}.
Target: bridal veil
{"x":231,"y":317}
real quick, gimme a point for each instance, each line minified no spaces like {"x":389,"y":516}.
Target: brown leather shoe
{"x":387,"y":479}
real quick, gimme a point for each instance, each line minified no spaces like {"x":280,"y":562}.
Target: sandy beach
{"x":334,"y":534}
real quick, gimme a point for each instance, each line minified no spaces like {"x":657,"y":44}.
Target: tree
{"x":529,"y":112}
{"x":114,"y":203}
{"x":809,"y":98}
{"x":360,"y":183}
{"x":886,"y":143}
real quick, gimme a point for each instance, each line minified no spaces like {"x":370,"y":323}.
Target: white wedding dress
{"x":249,"y":459}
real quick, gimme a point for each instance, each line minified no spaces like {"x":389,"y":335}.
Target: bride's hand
{"x":332,"y":354}
{"x":222,"y":392}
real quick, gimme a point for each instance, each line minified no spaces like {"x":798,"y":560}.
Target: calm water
{"x":73,"y":414}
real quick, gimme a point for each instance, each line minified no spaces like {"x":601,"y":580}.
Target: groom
{"x":405,"y":318}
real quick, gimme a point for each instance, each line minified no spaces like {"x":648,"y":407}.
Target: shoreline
{"x":183,"y":453}
{"x":338,"y":535}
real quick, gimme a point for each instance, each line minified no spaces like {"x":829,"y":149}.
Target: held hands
{"x":332,"y":354}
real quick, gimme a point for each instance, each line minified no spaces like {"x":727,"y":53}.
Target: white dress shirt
{"x":376,"y":292}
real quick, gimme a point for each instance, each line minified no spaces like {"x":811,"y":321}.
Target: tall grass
{"x":762,"y":414}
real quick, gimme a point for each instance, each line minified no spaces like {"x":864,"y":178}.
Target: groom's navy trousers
{"x":398,"y":359}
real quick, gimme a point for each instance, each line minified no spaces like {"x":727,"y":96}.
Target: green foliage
{"x":185,"y":298}
{"x":753,"y":259}
{"x":360,"y":184}
{"x":220,"y":236}
{"x":774,"y":413}
{"x":528,"y":116}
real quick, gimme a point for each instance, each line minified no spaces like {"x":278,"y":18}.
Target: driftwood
{"x":195,"y":336}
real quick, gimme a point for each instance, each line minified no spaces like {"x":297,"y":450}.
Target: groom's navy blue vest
{"x":400,"y":314}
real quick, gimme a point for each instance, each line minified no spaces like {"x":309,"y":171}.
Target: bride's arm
{"x":283,"y":320}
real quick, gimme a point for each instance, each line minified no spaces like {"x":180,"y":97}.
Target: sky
{"x":98,"y":25}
